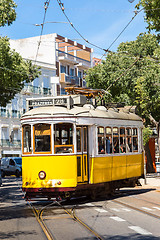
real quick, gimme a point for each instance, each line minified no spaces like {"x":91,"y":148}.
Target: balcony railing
{"x":4,"y":113}
{"x":16,"y":114}
{"x":37,"y":90}
{"x":7,"y":143}
{"x":68,"y":79}
{"x":70,"y":57}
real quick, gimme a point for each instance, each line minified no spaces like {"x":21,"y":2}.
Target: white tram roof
{"x":76,"y":111}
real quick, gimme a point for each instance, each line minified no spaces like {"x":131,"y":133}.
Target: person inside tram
{"x":116,"y":145}
{"x":122,"y":146}
{"x":108,"y":145}
{"x":100,"y":147}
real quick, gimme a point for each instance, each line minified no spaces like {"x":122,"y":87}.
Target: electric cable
{"x":46,"y":4}
{"x":136,"y":13}
{"x":123,"y":73}
{"x":62,"y":8}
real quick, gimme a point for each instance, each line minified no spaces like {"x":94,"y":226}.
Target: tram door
{"x":82,"y":157}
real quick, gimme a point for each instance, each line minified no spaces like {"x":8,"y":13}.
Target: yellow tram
{"x":72,"y":148}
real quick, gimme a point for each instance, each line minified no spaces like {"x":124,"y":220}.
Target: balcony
{"x":16,"y":114}
{"x":7,"y":143}
{"x":68,"y":79}
{"x":28,"y":89}
{"x":4,"y":112}
{"x":46,"y":91}
{"x":69,"y":58}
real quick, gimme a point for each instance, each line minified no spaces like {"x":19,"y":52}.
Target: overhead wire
{"x":46,"y":4}
{"x":123,"y":73}
{"x":62,"y":8}
{"x":136,"y":13}
{"x":105,"y":50}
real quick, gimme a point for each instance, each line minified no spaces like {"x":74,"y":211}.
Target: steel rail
{"x":137,"y":209}
{"x":75,"y":218}
{"x":38,"y":216}
{"x":140,"y":198}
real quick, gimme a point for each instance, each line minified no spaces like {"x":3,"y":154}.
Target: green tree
{"x":7,"y":12}
{"x":14,"y":71}
{"x":140,"y":85}
{"x":152,"y":15}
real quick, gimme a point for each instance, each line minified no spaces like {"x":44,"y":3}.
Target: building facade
{"x":63,"y":63}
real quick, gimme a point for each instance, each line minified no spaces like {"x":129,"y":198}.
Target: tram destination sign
{"x":55,"y":101}
{"x":40,"y":102}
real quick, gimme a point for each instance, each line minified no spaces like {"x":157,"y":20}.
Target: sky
{"x":98,"y":21}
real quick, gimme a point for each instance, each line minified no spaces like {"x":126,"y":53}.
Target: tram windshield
{"x":42,"y":134}
{"x":63,"y":138}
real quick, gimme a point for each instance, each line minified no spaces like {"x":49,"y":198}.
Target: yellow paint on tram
{"x":57,"y":168}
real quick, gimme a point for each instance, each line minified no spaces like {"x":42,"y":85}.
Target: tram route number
{"x":60,"y":101}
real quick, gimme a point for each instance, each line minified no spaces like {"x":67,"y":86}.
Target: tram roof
{"x":86,"y":111}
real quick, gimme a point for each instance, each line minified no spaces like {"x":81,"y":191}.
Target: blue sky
{"x":99,"y":21}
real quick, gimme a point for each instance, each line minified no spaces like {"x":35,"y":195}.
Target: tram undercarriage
{"x":89,"y":190}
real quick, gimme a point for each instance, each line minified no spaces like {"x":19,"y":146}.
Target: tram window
{"x":122,"y":140}
{"x":78,"y":133}
{"x":26,"y":138}
{"x":101,"y":143}
{"x":135,"y":139}
{"x":42,"y":134}
{"x":108,"y":140}
{"x":63,"y":138}
{"x":128,"y":140}
{"x":79,"y":166}
{"x":85,"y":139}
{"x":115,"y":140}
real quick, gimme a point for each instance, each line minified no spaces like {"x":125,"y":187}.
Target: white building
{"x":63,"y":63}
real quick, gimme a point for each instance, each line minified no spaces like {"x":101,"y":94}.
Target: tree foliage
{"x":152,"y":15}
{"x":7,"y":12}
{"x":14,"y":72}
{"x":140,"y":85}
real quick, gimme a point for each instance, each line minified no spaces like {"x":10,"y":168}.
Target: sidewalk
{"x":152,"y":180}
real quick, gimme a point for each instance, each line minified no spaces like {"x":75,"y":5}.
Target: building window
{"x":71,"y":71}
{"x":63,"y":69}
{"x":3,"y":112}
{"x":79,"y":74}
{"x":63,"y":92}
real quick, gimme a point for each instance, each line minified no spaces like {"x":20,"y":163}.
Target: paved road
{"x":16,"y":218}
{"x":130,"y":214}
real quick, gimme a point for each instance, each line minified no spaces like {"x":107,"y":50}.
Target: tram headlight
{"x":42,"y":175}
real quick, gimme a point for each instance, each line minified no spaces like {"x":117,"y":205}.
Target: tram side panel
{"x":112,"y":168}
{"x":119,"y":168}
{"x":100,"y":170}
{"x":135,"y":166}
{"x":61,"y":171}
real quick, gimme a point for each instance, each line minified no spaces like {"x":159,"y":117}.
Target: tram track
{"x":136,"y":208}
{"x":71,"y":213}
